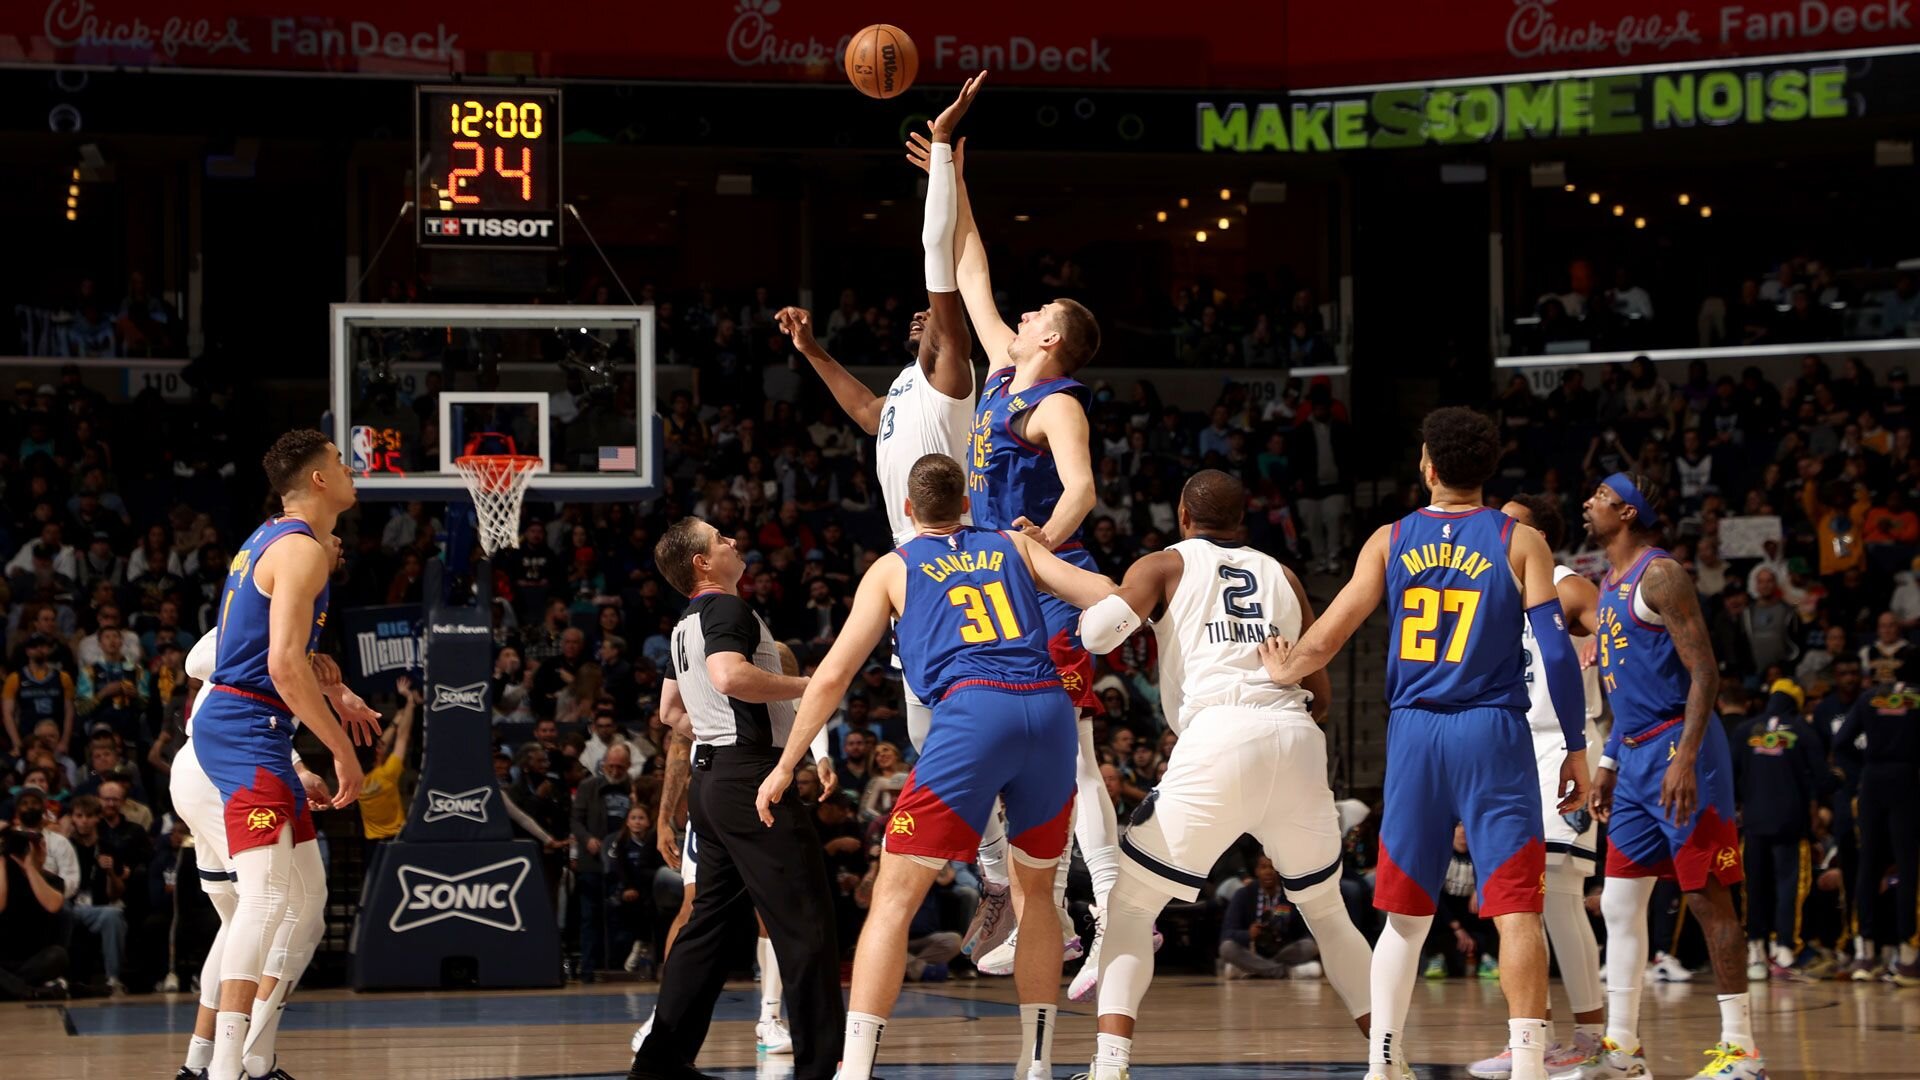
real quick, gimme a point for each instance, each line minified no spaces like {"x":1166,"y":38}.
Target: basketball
{"x":881,"y":61}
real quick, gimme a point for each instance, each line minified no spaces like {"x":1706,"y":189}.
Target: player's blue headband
{"x":1629,"y":493}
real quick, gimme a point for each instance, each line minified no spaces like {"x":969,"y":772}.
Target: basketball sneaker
{"x":1560,"y":1057}
{"x":640,"y":1033}
{"x":1105,"y":1072}
{"x":1729,"y":1062}
{"x":1000,"y":960}
{"x":190,"y":1074}
{"x":772,"y":1037}
{"x":1871,"y":970}
{"x":992,"y":922}
{"x":1904,"y":975}
{"x":1088,"y":977}
{"x":1665,"y":968}
{"x":1608,"y":1062}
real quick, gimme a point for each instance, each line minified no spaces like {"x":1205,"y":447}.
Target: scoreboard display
{"x":488,"y":163}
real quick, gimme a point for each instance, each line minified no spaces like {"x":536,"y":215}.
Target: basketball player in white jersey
{"x":1251,"y":756}
{"x":1572,"y":838}
{"x":300,"y":931}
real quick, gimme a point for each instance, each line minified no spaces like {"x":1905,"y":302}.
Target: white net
{"x":497,"y":483}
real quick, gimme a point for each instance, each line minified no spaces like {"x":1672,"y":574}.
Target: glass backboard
{"x":415,"y":386}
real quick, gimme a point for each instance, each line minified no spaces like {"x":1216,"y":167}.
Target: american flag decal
{"x":617,"y":459}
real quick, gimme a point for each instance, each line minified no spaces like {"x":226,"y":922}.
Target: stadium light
{"x":1706,"y":211}
{"x":1619,"y":210}
{"x":1160,"y":215}
{"x":1224,"y":223}
{"x":1593,"y":197}
{"x":1639,"y":223}
{"x":1685,"y":198}
{"x":1201,"y":236}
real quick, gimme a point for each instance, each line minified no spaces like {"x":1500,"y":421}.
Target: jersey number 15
{"x":1419,"y":637}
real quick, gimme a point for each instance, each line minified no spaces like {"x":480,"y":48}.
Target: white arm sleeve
{"x":1107,"y":625}
{"x":943,"y":207}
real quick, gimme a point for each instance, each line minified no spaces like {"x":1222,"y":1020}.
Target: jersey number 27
{"x":1419,"y":636}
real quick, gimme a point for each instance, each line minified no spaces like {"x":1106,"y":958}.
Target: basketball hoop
{"x":497,"y":483}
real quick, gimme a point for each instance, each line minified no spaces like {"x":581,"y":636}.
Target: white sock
{"x":1623,"y":1017}
{"x":199,"y":1052}
{"x":863,"y":1042}
{"x":1782,"y":955}
{"x":1623,"y":901}
{"x":993,"y":848}
{"x":1908,"y":954}
{"x":770,"y":985}
{"x":1115,"y":1051}
{"x":1094,"y":824}
{"x":1528,"y":1041}
{"x":1396,"y":964}
{"x":1103,"y":865}
{"x":258,"y":1060}
{"x":1736,"y":1021}
{"x":229,"y":1043}
{"x":1037,"y":1024}
{"x":1756,"y":952}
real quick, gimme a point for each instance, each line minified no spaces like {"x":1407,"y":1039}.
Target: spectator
{"x":30,"y":961}
{"x":642,"y":886}
{"x":39,"y":691}
{"x":1461,"y":940}
{"x":1326,"y":479}
{"x":605,"y":735}
{"x":1890,"y":657}
{"x":1262,"y":936}
{"x":599,"y":807}
{"x":1772,"y":627}
{"x":383,"y":810}
{"x":558,"y":673}
{"x":1815,"y":669}
{"x":99,"y":906}
{"x":46,"y":545}
{"x":884,"y":783}
{"x":115,"y":690}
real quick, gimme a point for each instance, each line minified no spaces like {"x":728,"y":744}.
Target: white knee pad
{"x":1126,"y":953}
{"x":1624,"y":904}
{"x":1094,"y":823}
{"x":220,"y":892}
{"x":266,"y":877}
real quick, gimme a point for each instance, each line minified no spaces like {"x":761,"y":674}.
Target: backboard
{"x":416,"y":385}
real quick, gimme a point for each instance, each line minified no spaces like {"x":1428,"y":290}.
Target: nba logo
{"x":1446,"y":531}
{"x":360,"y":449}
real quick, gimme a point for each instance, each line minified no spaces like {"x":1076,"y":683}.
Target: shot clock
{"x":489,"y":167}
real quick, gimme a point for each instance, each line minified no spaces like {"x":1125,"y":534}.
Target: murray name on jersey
{"x":1445,"y":556}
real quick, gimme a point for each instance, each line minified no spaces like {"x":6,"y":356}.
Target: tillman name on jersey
{"x":1445,"y":557}
{"x":1227,"y":630}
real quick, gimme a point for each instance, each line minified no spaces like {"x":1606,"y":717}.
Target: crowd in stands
{"x":115,"y":566}
{"x":1799,"y":300}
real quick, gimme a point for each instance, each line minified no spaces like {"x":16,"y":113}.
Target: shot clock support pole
{"x":608,"y":263}
{"x":405,"y":209}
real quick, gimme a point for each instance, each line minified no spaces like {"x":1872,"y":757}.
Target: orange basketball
{"x":881,"y":61}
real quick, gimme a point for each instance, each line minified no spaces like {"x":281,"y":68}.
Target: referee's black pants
{"x":780,"y":872}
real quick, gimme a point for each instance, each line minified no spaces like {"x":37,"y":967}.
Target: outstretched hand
{"x":949,"y":117}
{"x":1273,"y":656}
{"x":920,"y":153}
{"x":796,"y":323}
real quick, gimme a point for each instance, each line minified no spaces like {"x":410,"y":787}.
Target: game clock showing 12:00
{"x":489,"y":167}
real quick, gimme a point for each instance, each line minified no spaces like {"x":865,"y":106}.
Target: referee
{"x":728,"y":681}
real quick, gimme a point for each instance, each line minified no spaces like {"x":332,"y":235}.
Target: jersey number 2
{"x":1240,"y":585}
{"x":980,"y":625}
{"x":1418,"y":640}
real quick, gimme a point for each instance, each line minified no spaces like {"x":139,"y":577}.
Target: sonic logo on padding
{"x":465,"y":805}
{"x":470,"y":696}
{"x":488,"y":895}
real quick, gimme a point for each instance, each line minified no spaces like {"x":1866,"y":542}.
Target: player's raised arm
{"x":1060,"y":425}
{"x":1669,"y":591}
{"x":1142,"y":596}
{"x":873,"y":606}
{"x":1317,"y":683}
{"x":1290,"y":665}
{"x":946,"y":347}
{"x":862,"y":405}
{"x":297,"y":569}
{"x":1081,"y":588}
{"x":679,"y":770}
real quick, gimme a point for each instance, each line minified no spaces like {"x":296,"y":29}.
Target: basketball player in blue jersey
{"x":971,"y":637}
{"x":270,"y":618}
{"x":1665,"y":785}
{"x":1030,"y":467}
{"x":1461,"y":582}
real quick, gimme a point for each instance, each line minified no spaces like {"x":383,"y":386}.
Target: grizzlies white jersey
{"x":1229,"y":600}
{"x":1540,"y":715}
{"x":917,"y":420}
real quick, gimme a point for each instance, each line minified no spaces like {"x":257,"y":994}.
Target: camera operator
{"x":29,"y":904}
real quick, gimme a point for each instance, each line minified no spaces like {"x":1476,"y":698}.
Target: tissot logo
{"x":511,"y":227}
{"x":489,"y":895}
{"x":471,"y":696}
{"x":465,"y":805}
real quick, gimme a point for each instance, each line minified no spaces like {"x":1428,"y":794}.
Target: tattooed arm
{"x":1669,"y":591}
{"x":673,"y":787}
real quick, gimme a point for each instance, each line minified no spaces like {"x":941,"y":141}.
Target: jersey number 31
{"x":1419,"y":639}
{"x":980,"y":625}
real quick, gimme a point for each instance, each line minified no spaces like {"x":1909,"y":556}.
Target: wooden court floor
{"x":1190,"y":1026}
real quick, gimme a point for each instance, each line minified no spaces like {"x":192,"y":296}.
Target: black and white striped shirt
{"x":717,"y":622}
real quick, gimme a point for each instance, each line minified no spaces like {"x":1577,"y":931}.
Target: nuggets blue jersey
{"x":1639,"y":668}
{"x":972,"y":612}
{"x":240,"y":660}
{"x":1008,"y":477}
{"x":1457,"y":613}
